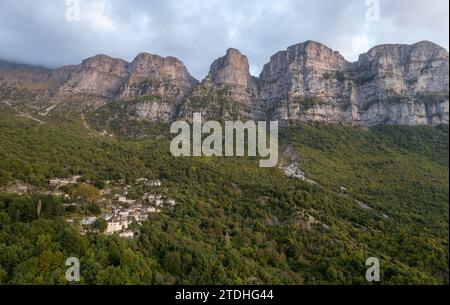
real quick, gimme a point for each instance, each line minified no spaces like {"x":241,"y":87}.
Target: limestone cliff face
{"x":115,"y":78}
{"x":163,"y":82}
{"x":156,"y":75}
{"x":232,"y":73}
{"x":308,"y":81}
{"x":228,"y":91}
{"x":99,"y":75}
{"x":158,"y":84}
{"x":403,"y":84}
{"x":390,"y":84}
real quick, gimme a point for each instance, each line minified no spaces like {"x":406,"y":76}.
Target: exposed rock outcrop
{"x":100,"y":75}
{"x":228,"y":91}
{"x":115,"y":78}
{"x":308,"y":81}
{"x":232,"y":73}
{"x":158,"y":84}
{"x":403,"y":84}
{"x":155,"y":75}
{"x":390,"y":84}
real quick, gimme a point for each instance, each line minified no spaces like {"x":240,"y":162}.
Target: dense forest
{"x":381,"y":191}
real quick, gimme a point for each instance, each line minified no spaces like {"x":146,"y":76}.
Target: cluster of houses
{"x":120,"y":218}
{"x":58,"y":182}
{"x":121,"y":211}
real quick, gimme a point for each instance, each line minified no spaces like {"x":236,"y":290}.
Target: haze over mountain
{"x":389,"y":84}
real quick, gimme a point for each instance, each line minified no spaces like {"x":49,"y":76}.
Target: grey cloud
{"x":198,"y":31}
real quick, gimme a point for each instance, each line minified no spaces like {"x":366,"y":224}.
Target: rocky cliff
{"x":403,"y":84}
{"x":390,"y":84}
{"x":308,"y":81}
{"x":156,"y":75}
{"x":158,"y":84}
{"x":161,"y":84}
{"x":228,"y":91}
{"x":99,"y":75}
{"x":115,"y":78}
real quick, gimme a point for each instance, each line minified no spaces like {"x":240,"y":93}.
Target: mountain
{"x":307,"y":82}
{"x":403,"y":84}
{"x":339,"y":195}
{"x":390,"y":84}
{"x":114,"y":78}
{"x":163,"y":82}
{"x":228,"y":91}
{"x":231,"y":72}
{"x":153,"y":74}
{"x":100,"y":75}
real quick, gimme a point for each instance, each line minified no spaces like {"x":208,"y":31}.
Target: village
{"x":122,"y":206}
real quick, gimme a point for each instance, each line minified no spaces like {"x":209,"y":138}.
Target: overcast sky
{"x":199,"y":31}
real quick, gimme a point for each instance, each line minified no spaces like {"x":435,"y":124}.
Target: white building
{"x":113,"y":226}
{"x":57,"y":182}
{"x":124,"y":213}
{"x":150,"y":197}
{"x":105,"y":192}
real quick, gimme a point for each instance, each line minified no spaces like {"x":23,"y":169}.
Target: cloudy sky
{"x":199,"y":31}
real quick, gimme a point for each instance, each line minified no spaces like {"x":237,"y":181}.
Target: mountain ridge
{"x":389,"y":84}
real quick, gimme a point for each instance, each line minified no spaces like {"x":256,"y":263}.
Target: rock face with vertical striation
{"x":403,"y":84}
{"x":232,"y":73}
{"x":115,"y":78}
{"x":99,"y":75}
{"x":228,"y":91}
{"x":159,"y":84}
{"x":390,"y":84}
{"x":308,"y":82}
{"x":156,"y":75}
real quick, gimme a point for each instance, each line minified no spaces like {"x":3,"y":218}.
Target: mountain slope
{"x":380,"y":192}
{"x":308,"y":82}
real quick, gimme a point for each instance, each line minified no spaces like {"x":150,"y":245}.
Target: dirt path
{"x":85,"y":123}
{"x":24,"y":115}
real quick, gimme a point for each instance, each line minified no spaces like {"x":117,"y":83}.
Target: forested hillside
{"x":381,"y":191}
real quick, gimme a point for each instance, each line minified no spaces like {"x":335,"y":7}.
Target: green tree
{"x":86,"y":192}
{"x":100,"y":224}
